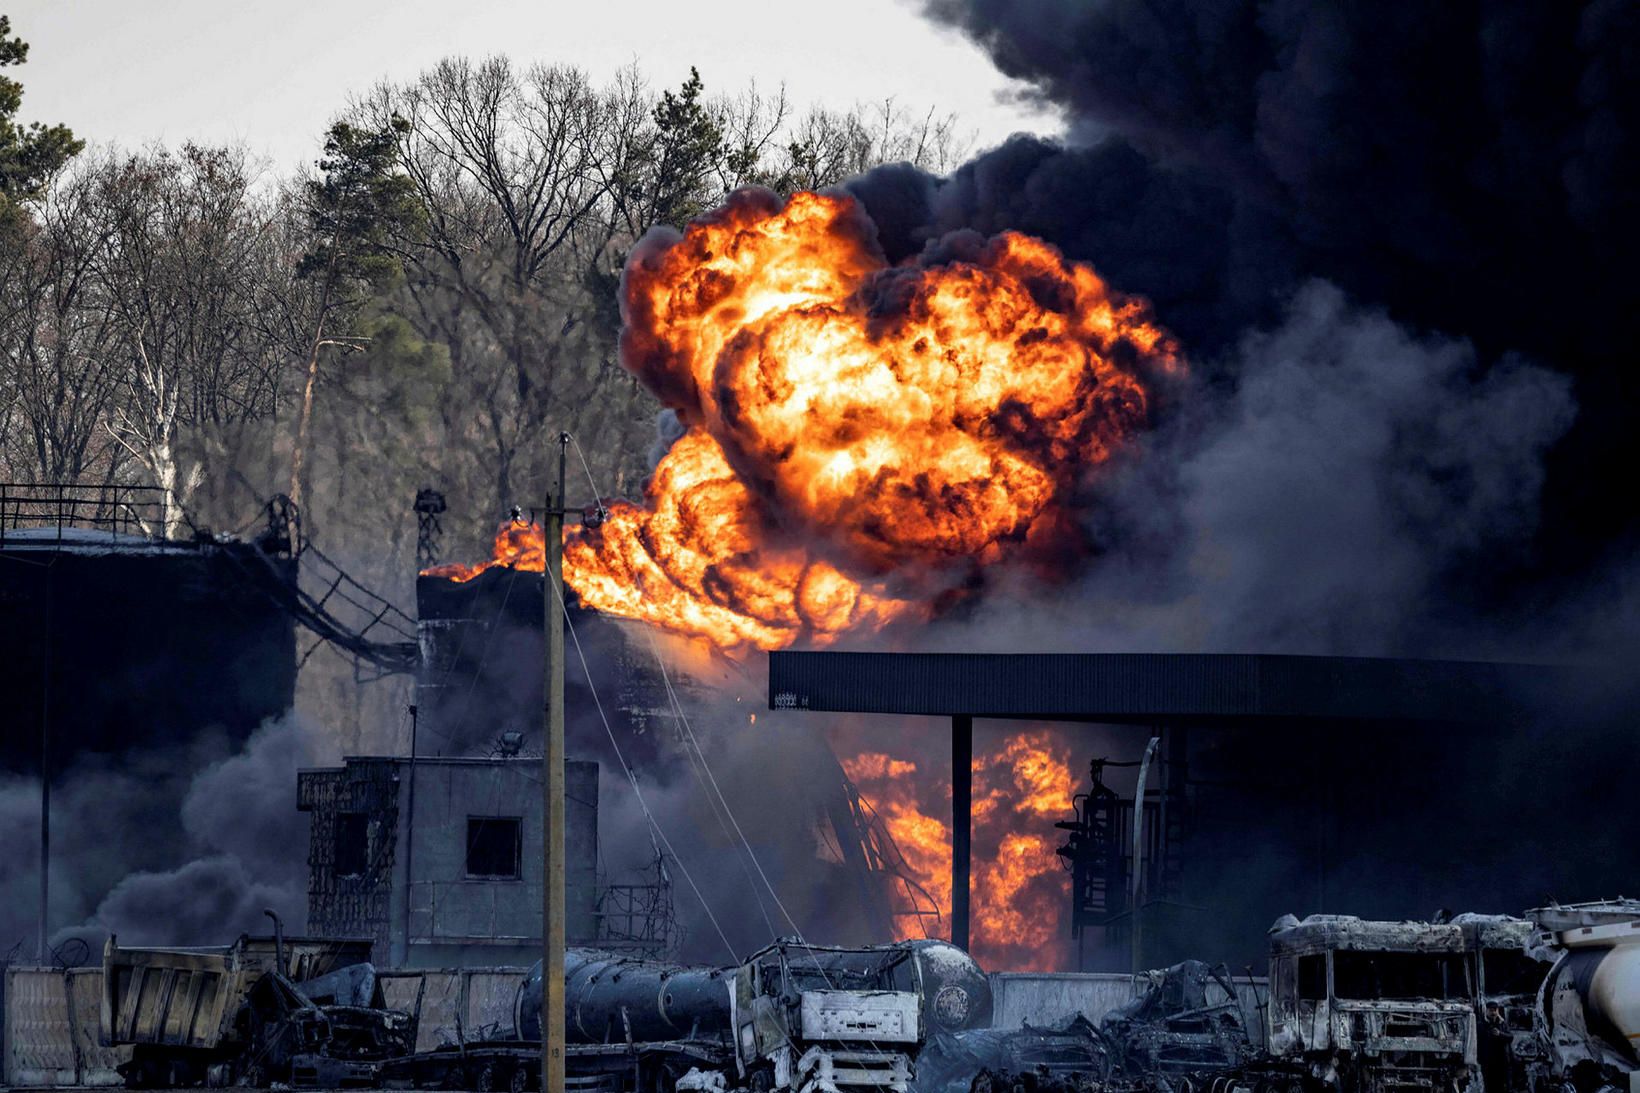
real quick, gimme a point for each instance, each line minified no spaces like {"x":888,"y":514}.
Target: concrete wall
{"x":51,"y":1028}
{"x":454,"y":919}
{"x":1049,"y":998}
{"x":457,"y":919}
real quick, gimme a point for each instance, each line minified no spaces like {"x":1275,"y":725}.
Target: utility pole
{"x":552,"y":786}
{"x":409,"y":836}
{"x":553,"y":915}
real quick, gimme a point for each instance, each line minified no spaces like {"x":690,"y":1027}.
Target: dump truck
{"x":1588,"y":1009}
{"x":299,"y":1011}
{"x":1372,"y":1007}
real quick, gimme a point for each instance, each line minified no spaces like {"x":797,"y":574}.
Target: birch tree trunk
{"x":304,"y":418}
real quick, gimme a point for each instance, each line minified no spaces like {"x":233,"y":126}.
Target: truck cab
{"x":1372,"y":1007}
{"x":1507,"y":977}
{"x":815,"y":1019}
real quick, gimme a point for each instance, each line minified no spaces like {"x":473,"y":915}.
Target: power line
{"x":631,"y":776}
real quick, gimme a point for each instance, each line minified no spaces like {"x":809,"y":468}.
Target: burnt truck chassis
{"x":303,"y":1011}
{"x":515,"y":1065}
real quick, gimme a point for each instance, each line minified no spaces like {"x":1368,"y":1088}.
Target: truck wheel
{"x":519,"y":1081}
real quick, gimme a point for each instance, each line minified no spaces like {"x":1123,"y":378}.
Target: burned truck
{"x":1187,"y":1024}
{"x":794,"y":1017}
{"x":1506,"y":977}
{"x":1589,"y":1005}
{"x":309,"y":1013}
{"x":1372,"y":1007}
{"x":827,"y":1019}
{"x":300,"y":1011}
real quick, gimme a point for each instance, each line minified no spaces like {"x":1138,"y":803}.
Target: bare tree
{"x":514,"y":172}
{"x":828,"y":147}
{"x":179,"y":278}
{"x":57,"y":372}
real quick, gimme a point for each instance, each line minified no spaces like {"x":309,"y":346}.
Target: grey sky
{"x":273,"y":74}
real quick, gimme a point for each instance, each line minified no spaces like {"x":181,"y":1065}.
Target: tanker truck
{"x":1588,"y":1009}
{"x":793,"y":1017}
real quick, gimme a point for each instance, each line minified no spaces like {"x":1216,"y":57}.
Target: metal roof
{"x":1175,"y":688}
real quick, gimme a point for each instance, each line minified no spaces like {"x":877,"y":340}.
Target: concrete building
{"x":439,"y":860}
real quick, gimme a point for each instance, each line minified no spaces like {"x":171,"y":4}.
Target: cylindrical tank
{"x":673,"y":1001}
{"x":661,"y":1001}
{"x":956,"y":992}
{"x":1608,"y":980}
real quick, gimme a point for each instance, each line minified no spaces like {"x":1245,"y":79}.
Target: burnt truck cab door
{"x":1313,"y":980}
{"x":741,"y":994}
{"x":758,"y":1011}
{"x":1282,"y":1008}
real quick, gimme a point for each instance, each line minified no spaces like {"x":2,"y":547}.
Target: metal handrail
{"x":117,"y":509}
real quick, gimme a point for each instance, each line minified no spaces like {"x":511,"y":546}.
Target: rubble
{"x":1176,"y":1029}
{"x":1065,"y":1058}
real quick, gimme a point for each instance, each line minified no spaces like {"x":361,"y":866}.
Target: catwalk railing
{"x":57,"y":507}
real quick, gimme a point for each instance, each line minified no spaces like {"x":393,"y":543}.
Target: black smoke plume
{"x":1470,"y":169}
{"x":168,"y":846}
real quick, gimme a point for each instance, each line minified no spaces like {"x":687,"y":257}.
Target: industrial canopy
{"x":1176,"y":689}
{"x":1151,"y":688}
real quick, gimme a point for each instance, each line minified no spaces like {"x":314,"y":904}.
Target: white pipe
{"x":1139,"y":846}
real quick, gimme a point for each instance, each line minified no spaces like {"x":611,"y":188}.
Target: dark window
{"x":1365,"y":976}
{"x":351,"y":853}
{"x":769,"y":977}
{"x":1312,"y":977}
{"x":493,"y":847}
{"x":1511,"y":971}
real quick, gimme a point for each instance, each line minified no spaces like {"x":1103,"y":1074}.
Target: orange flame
{"x":863,"y":441}
{"x":518,"y":545}
{"x":1019,"y":888}
{"x":862,"y":438}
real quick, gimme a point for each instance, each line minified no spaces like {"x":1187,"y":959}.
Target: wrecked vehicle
{"x":1065,"y":1058}
{"x":1589,"y":1005}
{"x":307,"y":1012}
{"x":1506,"y":978}
{"x":1185,"y":1032}
{"x":793,"y":1017}
{"x":807,"y":1017}
{"x":1372,"y":1007}
{"x":1189,"y":1022}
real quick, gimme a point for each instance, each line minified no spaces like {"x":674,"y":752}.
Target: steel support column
{"x":962,"y":802}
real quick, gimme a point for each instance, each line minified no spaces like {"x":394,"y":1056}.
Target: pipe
{"x":1137,"y":887}
{"x":278,"y":940}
